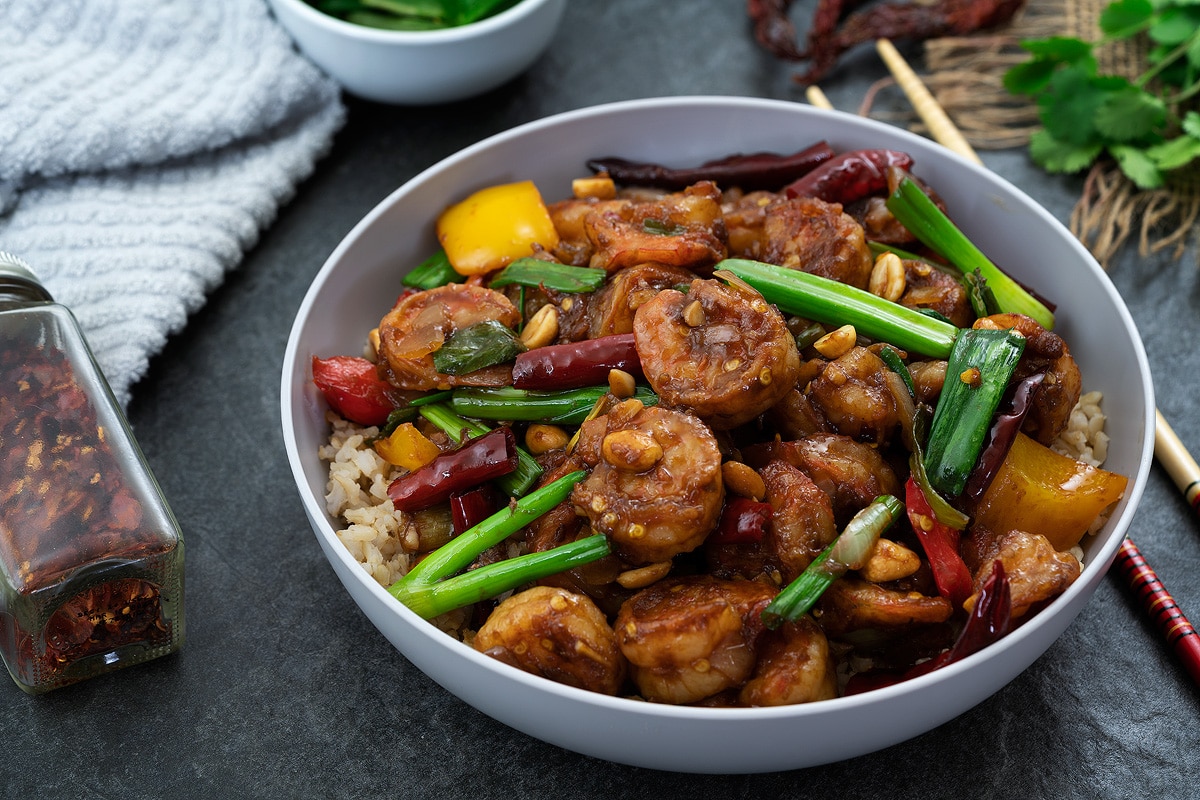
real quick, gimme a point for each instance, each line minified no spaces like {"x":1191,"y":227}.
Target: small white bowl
{"x":423,"y":67}
{"x":356,"y":284}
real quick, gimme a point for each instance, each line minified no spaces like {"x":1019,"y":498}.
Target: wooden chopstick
{"x":1168,"y":449}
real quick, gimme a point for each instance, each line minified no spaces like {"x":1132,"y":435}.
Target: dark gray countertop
{"x":284,"y":689}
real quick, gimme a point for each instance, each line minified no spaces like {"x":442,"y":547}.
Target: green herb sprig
{"x":1149,"y":125}
{"x":411,"y":15}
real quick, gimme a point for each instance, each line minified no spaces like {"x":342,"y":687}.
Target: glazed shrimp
{"x":420,"y":323}
{"x":684,"y":229}
{"x":818,"y":237}
{"x":794,"y":665}
{"x":614,"y":304}
{"x":557,"y":634}
{"x":655,"y":488}
{"x":689,"y":638}
{"x":852,"y":394}
{"x":720,"y":351}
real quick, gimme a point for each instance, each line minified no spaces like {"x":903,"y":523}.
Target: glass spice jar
{"x":91,"y":558}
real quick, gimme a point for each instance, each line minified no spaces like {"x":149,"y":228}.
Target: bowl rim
{"x":513,"y":15}
{"x":1093,"y":571}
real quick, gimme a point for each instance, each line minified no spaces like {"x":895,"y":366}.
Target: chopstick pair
{"x":1154,"y":598}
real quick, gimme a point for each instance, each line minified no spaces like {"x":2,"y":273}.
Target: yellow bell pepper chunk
{"x":407,"y":447}
{"x":1037,"y":490}
{"x":495,"y":226}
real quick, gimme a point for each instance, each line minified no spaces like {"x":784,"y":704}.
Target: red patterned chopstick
{"x":1158,"y":603}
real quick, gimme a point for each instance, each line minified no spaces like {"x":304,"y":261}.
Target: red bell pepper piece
{"x":353,"y":388}
{"x":742,"y":520}
{"x":576,"y":364}
{"x":477,"y":460}
{"x":940,"y":541}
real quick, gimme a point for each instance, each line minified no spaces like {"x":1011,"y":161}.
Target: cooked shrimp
{"x":851,"y":473}
{"x":852,"y":394}
{"x":684,"y":229}
{"x":852,"y":604}
{"x":1036,"y":571}
{"x":574,"y":247}
{"x":801,"y":526}
{"x":655,"y":488}
{"x":1045,"y":351}
{"x":744,"y":218}
{"x":929,"y":288}
{"x":421,"y":323}
{"x":818,"y":237}
{"x":719,"y":351}
{"x":613,"y":306}
{"x":689,"y":638}
{"x":557,"y":634}
{"x":794,"y":666}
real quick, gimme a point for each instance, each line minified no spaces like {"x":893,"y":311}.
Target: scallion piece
{"x":833,"y":303}
{"x":568,"y":407}
{"x":431,"y":599}
{"x":457,"y":554}
{"x":980,"y":367}
{"x":850,"y":550}
{"x":559,"y":277}
{"x":431,"y":273}
{"x":484,"y":344}
{"x":921,"y":216}
{"x":515,"y":483}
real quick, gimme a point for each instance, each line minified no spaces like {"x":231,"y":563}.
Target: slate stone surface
{"x":285,"y":690}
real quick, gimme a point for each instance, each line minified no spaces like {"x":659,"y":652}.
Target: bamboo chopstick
{"x":1168,"y":449}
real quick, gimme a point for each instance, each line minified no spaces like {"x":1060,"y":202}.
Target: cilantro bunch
{"x":1149,"y":125}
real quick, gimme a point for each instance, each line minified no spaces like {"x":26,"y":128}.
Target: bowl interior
{"x":359,"y":280}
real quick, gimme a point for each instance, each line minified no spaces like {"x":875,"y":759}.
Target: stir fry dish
{"x":762,"y":431}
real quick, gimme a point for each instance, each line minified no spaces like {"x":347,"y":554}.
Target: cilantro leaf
{"x":1130,"y":114}
{"x":1176,"y":153}
{"x":1057,"y":156}
{"x":1137,"y":166}
{"x":1191,"y":123}
{"x":1030,"y":77}
{"x":1125,"y":18}
{"x":1175,"y":25}
{"x":1061,"y":50}
{"x":1067,"y":108}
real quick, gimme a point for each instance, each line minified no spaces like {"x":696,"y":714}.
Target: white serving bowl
{"x":357,"y":282}
{"x":423,"y":67}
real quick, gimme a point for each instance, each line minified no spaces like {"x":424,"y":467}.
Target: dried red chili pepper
{"x":478,"y":460}
{"x":750,"y":172}
{"x":469,"y":508}
{"x":353,"y":388}
{"x":576,"y":364}
{"x":850,"y":176}
{"x":940,"y":541}
{"x":830,"y":35}
{"x":742,"y":520}
{"x":1014,"y":407}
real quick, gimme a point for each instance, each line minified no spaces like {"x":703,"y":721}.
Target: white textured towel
{"x":144,"y":145}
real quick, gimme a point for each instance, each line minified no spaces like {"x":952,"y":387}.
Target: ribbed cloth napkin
{"x":144,"y":145}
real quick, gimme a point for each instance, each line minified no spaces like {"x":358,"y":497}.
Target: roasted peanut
{"x":631,"y":450}
{"x":887,"y":277}
{"x":837,"y":343}
{"x":542,"y":327}
{"x":742,"y":480}
{"x":544,"y":438}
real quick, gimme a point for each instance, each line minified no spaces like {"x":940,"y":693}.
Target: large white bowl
{"x":356,"y":284}
{"x":423,"y":67}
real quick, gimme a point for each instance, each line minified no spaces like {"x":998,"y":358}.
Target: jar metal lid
{"x":17,"y":275}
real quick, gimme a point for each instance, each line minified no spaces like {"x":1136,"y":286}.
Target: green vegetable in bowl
{"x":411,"y":15}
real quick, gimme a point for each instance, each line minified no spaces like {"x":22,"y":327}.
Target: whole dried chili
{"x":478,"y":460}
{"x":1014,"y":407}
{"x":833,"y":32}
{"x":750,"y":172}
{"x":576,"y":364}
{"x":850,"y":176}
